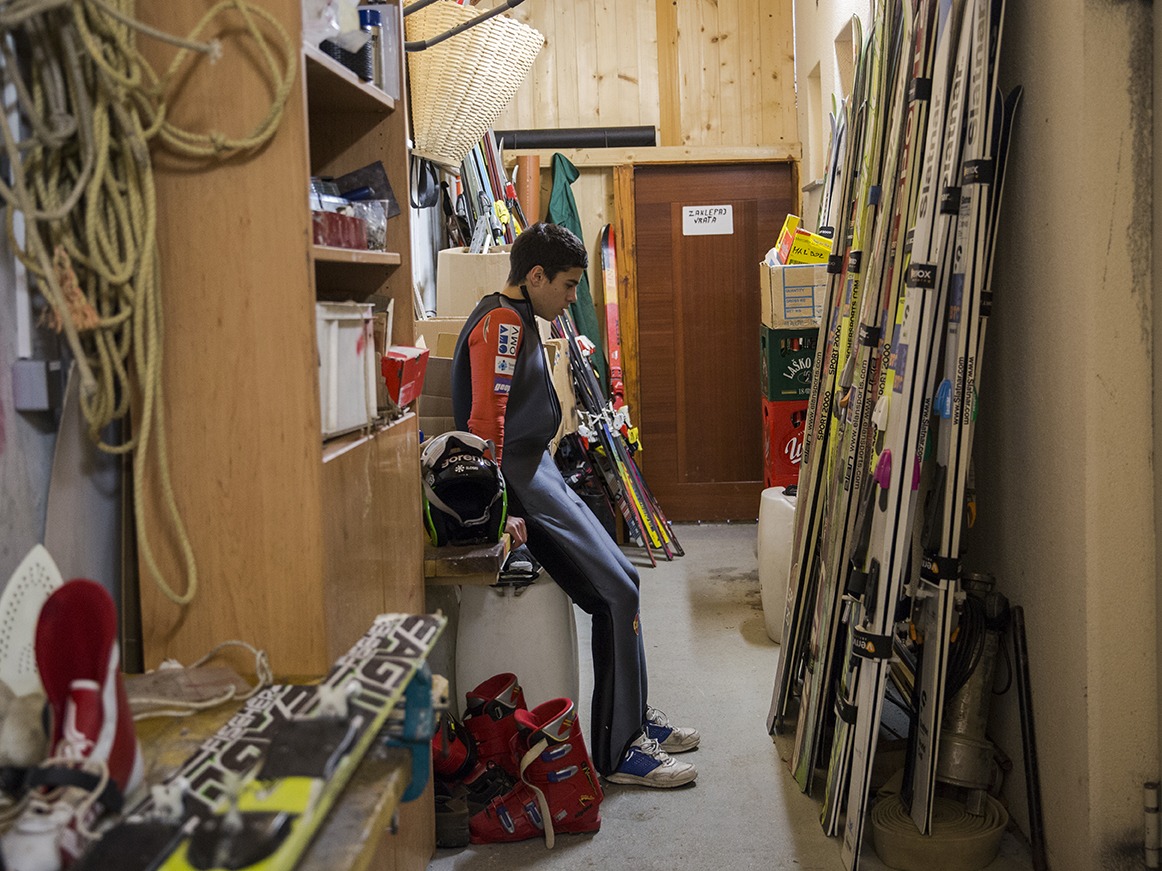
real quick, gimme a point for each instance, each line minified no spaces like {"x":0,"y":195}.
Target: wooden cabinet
{"x":299,"y":544}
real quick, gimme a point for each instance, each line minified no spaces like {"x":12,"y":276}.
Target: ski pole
{"x":1029,"y":741}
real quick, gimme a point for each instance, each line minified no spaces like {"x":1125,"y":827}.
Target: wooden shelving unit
{"x":327,"y":254}
{"x":336,"y":86}
{"x":298,"y":544}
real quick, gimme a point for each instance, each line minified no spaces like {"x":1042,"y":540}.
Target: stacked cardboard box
{"x":434,"y":408}
{"x":791,"y":307}
{"x":462,"y":279}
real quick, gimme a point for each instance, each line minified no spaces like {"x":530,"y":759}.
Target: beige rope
{"x":263,"y":673}
{"x":84,"y":183}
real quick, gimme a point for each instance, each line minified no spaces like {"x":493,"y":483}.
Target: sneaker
{"x":93,"y":750}
{"x":672,"y":739}
{"x":646,"y":764}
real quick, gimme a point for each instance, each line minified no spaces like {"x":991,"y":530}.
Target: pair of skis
{"x":603,"y":427}
{"x":254,"y":793}
{"x":891,"y":201}
{"x":987,"y":128}
{"x":487,"y":202}
{"x":886,"y":560}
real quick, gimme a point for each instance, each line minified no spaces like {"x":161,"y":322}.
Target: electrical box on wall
{"x":36,"y":385}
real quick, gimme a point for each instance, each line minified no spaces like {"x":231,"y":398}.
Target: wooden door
{"x":698,"y":319}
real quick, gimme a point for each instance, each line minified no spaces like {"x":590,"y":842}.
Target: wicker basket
{"x":460,"y":86}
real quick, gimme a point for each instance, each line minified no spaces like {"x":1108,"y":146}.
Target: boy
{"x":501,"y":390}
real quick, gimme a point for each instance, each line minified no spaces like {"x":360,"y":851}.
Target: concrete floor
{"x":712,"y":666}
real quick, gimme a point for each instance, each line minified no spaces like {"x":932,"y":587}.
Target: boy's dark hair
{"x":549,"y":246}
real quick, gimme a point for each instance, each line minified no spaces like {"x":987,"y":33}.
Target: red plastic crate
{"x":783,"y":431}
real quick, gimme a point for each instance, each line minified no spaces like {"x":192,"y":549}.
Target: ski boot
{"x":558,"y":791}
{"x":460,"y":772}
{"x":464,"y":786}
{"x":489,"y":718}
{"x":94,"y":758}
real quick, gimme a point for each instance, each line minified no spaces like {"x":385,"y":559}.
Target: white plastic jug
{"x":776,"y":532}
{"x":532,"y":634}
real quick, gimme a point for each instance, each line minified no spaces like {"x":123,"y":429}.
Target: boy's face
{"x":551,"y":298}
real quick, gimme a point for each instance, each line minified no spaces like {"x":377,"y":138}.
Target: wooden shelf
{"x":299,"y":544}
{"x":336,"y":447}
{"x":332,"y":88}
{"x":351,"y":274}
{"x":356,"y":256}
{"x":258,"y":500}
{"x":470,"y":564}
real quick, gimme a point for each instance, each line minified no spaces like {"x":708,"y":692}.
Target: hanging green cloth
{"x":563,"y":211}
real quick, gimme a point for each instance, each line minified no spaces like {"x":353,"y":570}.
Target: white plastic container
{"x":345,"y":332}
{"x":776,"y":533}
{"x":532,"y":634}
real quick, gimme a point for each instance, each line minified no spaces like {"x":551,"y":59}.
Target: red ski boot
{"x":94,"y":756}
{"x":455,"y":764}
{"x":489,"y":717}
{"x":558,"y":791}
{"x":453,"y":750}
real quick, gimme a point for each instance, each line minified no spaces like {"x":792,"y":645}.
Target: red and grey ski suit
{"x":502,"y":390}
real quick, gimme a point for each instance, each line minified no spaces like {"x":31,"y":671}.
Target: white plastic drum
{"x":776,"y":531}
{"x":533,"y":635}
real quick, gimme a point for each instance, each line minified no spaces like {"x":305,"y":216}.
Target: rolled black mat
{"x":578,"y":137}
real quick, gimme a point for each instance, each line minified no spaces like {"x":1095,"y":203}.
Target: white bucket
{"x":532,"y":634}
{"x":776,"y":532}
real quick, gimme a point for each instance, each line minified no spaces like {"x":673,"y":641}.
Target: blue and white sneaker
{"x":672,"y":739}
{"x":646,"y":764}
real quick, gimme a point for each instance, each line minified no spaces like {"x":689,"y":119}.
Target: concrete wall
{"x":1064,"y":446}
{"x":27,"y":441}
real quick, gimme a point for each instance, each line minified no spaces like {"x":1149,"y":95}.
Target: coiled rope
{"x":84,"y":183}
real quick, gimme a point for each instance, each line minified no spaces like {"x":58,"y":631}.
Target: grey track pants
{"x":578,"y":553}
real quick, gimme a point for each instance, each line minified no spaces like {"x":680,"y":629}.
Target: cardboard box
{"x":438,"y":333}
{"x":808,"y":248}
{"x":462,"y":279}
{"x":382,"y":331}
{"x":557,"y":350}
{"x":436,"y":398}
{"x":403,"y":370}
{"x":783,"y":430}
{"x":792,"y":296}
{"x":787,"y":360}
{"x":434,"y":407}
{"x":797,"y":245}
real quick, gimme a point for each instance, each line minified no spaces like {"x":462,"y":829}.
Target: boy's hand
{"x":515,"y":527}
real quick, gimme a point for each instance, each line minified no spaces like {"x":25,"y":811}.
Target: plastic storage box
{"x":346,"y":365}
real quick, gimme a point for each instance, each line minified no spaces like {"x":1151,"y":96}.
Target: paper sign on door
{"x":707,"y":220}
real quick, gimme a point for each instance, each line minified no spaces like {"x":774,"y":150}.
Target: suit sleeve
{"x":492,"y":346}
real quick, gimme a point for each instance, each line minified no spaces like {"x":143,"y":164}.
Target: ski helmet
{"x":464,"y":496}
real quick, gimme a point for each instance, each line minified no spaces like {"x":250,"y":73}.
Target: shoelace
{"x":651,"y":747}
{"x":82,"y":800}
{"x":653,"y":715}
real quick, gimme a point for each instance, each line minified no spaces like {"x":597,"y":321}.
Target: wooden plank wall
{"x":705,"y":72}
{"x":593,"y":191}
{"x":709,"y":74}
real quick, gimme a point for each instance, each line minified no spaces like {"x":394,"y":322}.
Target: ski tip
{"x":944,"y":399}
